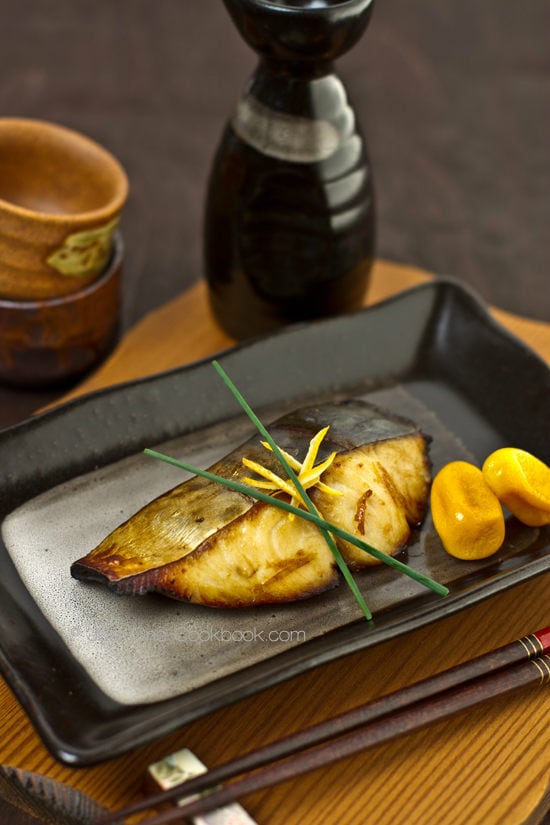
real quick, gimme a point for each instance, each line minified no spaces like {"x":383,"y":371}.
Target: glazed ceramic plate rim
{"x":442,"y":328}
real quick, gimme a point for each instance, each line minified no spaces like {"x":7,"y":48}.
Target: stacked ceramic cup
{"x":61,"y":195}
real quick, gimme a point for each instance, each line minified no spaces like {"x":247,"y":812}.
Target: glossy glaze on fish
{"x":206,"y":544}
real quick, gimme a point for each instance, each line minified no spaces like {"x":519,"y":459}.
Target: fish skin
{"x":233,"y":569}
{"x":203,"y":543}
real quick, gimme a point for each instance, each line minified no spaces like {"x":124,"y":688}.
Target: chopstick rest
{"x":184,"y":765}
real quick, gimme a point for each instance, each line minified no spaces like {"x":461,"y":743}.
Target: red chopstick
{"x":516,"y":665}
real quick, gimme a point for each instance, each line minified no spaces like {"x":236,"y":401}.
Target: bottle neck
{"x":277,"y":68}
{"x":279,"y":85}
{"x":296,"y":120}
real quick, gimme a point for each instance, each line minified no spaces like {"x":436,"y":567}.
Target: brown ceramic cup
{"x":61,"y":195}
{"x":48,"y":342}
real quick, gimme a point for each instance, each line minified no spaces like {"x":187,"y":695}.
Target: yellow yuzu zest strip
{"x":311,"y":455}
{"x":308,"y":476}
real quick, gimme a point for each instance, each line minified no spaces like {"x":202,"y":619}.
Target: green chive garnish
{"x":344,"y":569}
{"x":440,"y":589}
{"x":311,"y":514}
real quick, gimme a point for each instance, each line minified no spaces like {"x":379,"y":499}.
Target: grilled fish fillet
{"x":205,"y":544}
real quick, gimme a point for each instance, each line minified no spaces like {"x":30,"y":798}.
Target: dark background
{"x":453,"y":96}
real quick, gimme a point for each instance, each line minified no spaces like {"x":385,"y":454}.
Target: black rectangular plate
{"x":437,"y":339}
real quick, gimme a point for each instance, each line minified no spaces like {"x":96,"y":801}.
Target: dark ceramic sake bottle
{"x":289,"y":223}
